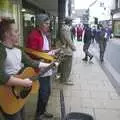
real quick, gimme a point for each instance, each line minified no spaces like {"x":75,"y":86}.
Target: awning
{"x":50,"y":6}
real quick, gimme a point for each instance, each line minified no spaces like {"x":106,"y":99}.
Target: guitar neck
{"x":43,"y":71}
{"x":47,"y":69}
{"x":58,"y":59}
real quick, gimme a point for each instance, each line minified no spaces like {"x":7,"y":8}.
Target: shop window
{"x":28,"y":23}
{"x":117,"y":28}
{"x":118,"y":3}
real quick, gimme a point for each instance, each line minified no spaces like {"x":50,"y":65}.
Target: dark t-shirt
{"x":87,"y":35}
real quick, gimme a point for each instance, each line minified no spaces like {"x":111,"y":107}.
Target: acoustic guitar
{"x":12,"y":99}
{"x":39,"y":55}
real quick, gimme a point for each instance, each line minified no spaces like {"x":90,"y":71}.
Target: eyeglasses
{"x":47,"y":23}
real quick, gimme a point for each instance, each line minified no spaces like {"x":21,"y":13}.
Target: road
{"x":112,"y":54}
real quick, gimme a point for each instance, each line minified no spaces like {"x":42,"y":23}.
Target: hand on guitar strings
{"x":43,"y":64}
{"x":56,"y":64}
{"x":27,"y":82}
{"x":54,"y":52}
{"x":14,"y":80}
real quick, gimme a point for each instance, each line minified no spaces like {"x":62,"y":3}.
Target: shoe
{"x":101,"y":60}
{"x":57,"y":76}
{"x":91,"y":58}
{"x":85,"y":59}
{"x":68,"y":83}
{"x":48,"y":115}
{"x":41,"y":117}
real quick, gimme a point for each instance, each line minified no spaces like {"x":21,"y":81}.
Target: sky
{"x":82,"y":4}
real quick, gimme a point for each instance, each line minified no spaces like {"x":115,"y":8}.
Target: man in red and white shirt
{"x":37,"y":40}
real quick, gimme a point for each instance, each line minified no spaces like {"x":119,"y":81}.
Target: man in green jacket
{"x":69,"y":47}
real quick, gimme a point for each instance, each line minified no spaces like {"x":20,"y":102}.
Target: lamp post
{"x":61,"y":15}
{"x":112,"y":20}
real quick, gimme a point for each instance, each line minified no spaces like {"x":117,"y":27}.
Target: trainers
{"x":91,"y":58}
{"x":57,"y":76}
{"x":101,"y":60}
{"x":41,"y":117}
{"x":48,"y":115}
{"x":85,"y":59}
{"x":68,"y":83}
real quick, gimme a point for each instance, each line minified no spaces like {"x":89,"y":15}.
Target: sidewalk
{"x":91,"y":93}
{"x":111,"y":60}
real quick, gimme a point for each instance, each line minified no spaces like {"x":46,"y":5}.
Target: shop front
{"x":116,"y":28}
{"x":29,"y":12}
{"x":106,"y":23}
{"x":116,"y":24}
{"x":12,"y":8}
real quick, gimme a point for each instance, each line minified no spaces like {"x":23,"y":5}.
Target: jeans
{"x":85,"y":49}
{"x":43,"y":96}
{"x":102,"y":46}
{"x":17,"y":116}
{"x":65,"y":68}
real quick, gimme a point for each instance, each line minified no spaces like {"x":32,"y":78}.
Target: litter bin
{"x":78,"y":116}
{"x":72,"y":115}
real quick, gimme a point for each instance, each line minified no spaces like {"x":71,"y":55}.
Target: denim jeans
{"x":43,"y":96}
{"x":17,"y":116}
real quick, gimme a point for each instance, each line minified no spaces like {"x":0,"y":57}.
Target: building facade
{"x":12,"y":8}
{"x":81,"y":15}
{"x":116,"y":18}
{"x":24,"y":12}
{"x":101,"y":10}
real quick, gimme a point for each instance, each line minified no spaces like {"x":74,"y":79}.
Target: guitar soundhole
{"x":21,"y":93}
{"x":24,"y":93}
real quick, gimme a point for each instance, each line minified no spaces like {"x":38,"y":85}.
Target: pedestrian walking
{"x":93,"y":30}
{"x":79,"y":33}
{"x":101,"y":37}
{"x":73,"y":32}
{"x":87,"y":42}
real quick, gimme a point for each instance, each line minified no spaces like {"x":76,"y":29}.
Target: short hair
{"x":68,"y":20}
{"x":42,"y":18}
{"x":5,"y":26}
{"x":99,"y":25}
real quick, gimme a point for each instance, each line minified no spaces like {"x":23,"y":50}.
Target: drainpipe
{"x":112,"y":21}
{"x":69,"y":7}
{"x":61,"y":14}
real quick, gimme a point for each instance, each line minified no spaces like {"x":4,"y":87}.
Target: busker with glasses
{"x":37,"y":40}
{"x":12,"y":60}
